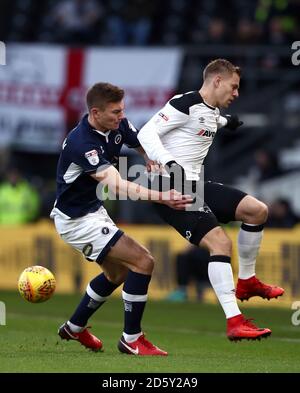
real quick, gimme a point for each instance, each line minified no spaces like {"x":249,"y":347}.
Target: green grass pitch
{"x":193,"y":333}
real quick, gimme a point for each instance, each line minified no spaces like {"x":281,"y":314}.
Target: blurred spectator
{"x":47,"y":193}
{"x":130,"y":23}
{"x":247,"y":32}
{"x":217,"y":32}
{"x":281,"y":18}
{"x":276,"y":33}
{"x":266,"y":166}
{"x":19,"y":202}
{"x":281,"y":215}
{"x":191,"y":265}
{"x":75,"y":21}
{"x":275,"y":36}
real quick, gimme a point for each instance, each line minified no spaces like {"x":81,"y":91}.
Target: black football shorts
{"x":220,"y":205}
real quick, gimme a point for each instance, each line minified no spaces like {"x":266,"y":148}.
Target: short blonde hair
{"x":220,"y":66}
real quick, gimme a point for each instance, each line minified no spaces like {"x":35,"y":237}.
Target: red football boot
{"x":141,"y":347}
{"x":253,"y":287}
{"x":239,"y":328}
{"x":85,"y":337}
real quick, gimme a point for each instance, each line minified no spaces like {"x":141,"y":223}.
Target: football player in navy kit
{"x":86,"y":160}
{"x":179,"y":137}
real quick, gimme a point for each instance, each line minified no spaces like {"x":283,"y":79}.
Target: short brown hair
{"x":220,"y":66}
{"x":100,"y":94}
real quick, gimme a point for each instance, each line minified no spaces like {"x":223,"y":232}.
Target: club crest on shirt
{"x":92,"y":157}
{"x":118,"y":139}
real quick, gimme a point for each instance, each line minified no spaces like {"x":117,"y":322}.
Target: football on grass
{"x":36,"y":284}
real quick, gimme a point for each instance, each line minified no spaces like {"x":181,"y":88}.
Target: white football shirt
{"x":183,"y":130}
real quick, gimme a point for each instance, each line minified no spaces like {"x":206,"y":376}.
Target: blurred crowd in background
{"x":143,"y":22}
{"x":27,"y":188}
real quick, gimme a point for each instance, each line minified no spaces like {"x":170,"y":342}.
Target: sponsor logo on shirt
{"x":92,"y":157}
{"x":207,"y":133}
{"x":163,"y":116}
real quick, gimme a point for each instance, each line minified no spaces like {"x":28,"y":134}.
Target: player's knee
{"x":217,"y":242}
{"x":117,"y":277}
{"x":252,"y":211}
{"x":261,"y":214}
{"x":257,"y":213}
{"x":146,"y":262}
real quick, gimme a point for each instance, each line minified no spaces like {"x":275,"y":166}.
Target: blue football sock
{"x":96,"y":294}
{"x":134,"y":296}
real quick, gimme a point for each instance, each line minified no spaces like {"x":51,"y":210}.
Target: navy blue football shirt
{"x":83,"y":151}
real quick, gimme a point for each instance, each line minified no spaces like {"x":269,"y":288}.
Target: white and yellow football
{"x":36,"y":284}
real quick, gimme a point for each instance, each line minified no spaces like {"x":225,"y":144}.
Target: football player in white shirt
{"x":179,"y":137}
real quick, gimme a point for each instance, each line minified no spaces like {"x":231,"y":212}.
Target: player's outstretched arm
{"x":110,"y":176}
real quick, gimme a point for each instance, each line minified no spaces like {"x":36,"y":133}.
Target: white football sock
{"x":75,"y":328}
{"x":221,"y":279}
{"x":248,"y":246}
{"x":130,"y":338}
